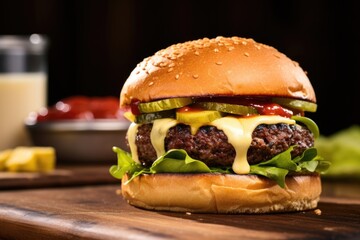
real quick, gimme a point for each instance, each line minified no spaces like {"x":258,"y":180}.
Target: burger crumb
{"x":118,"y":191}
{"x":188,"y":213}
{"x":317,"y":211}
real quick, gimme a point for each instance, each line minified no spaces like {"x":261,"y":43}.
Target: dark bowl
{"x":77,"y":141}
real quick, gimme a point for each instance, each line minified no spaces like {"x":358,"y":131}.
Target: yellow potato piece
{"x":31,"y":159}
{"x":46,"y":158}
{"x":22,"y":159}
{"x":4,"y":155}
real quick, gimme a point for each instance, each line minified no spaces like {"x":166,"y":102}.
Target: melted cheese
{"x":238,"y":131}
{"x":237,"y":137}
{"x":158,"y":134}
{"x":239,"y":134}
{"x":131,"y":136}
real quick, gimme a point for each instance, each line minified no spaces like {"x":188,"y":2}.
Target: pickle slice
{"x":197,"y":117}
{"x":296,"y":104}
{"x":150,"y":117}
{"x":164,"y":104}
{"x":228,"y":108}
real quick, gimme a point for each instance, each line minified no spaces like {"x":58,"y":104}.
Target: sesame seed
{"x":218,"y":63}
{"x":230,"y":48}
{"x":177,"y":76}
{"x":216,"y":50}
{"x":258,"y":47}
{"x":276,"y":55}
{"x":171,"y":65}
{"x":163,"y":64}
{"x":196,"y":53}
{"x":170,"y":69}
{"x":195,"y":76}
{"x":246,"y":54}
{"x":244,"y":42}
{"x":151,"y":83}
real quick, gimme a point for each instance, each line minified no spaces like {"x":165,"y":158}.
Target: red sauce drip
{"x":134,"y":106}
{"x":273,"y":109}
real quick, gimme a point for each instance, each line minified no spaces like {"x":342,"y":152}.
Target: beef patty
{"x":210,"y":145}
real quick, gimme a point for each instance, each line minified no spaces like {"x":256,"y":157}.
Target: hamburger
{"x":218,"y":126}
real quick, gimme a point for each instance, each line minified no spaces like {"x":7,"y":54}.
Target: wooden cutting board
{"x":97,"y":212}
{"x":67,"y":175}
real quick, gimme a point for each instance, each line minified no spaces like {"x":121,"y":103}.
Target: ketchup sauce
{"x":273,"y":109}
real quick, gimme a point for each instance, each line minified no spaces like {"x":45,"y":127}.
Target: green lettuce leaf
{"x":125,"y":164}
{"x":276,"y":168}
{"x":274,"y":173}
{"x":178,"y":161}
{"x":280,"y":165}
{"x":309,"y":123}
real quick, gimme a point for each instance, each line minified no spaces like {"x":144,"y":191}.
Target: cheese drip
{"x":158,"y":134}
{"x":238,"y":131}
{"x":239,"y":134}
{"x":131,"y":136}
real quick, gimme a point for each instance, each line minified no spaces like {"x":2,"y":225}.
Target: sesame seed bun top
{"x":216,"y":67}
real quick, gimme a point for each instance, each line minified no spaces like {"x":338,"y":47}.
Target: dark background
{"x":94,"y":44}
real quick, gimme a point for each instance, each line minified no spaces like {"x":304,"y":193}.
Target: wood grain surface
{"x":67,"y":175}
{"x":97,"y":212}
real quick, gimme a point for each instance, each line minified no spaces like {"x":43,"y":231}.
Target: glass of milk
{"x":23,"y":85}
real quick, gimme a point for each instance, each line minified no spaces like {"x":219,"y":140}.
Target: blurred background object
{"x":95,"y":44}
{"x":23,"y":85}
{"x":81,"y":129}
{"x":342,"y":149}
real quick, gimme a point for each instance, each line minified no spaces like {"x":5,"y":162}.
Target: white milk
{"x":20,"y":93}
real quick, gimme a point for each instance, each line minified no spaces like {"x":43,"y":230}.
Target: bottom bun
{"x":221,"y":193}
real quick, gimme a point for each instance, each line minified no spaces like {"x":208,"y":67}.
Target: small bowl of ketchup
{"x":80,"y":128}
